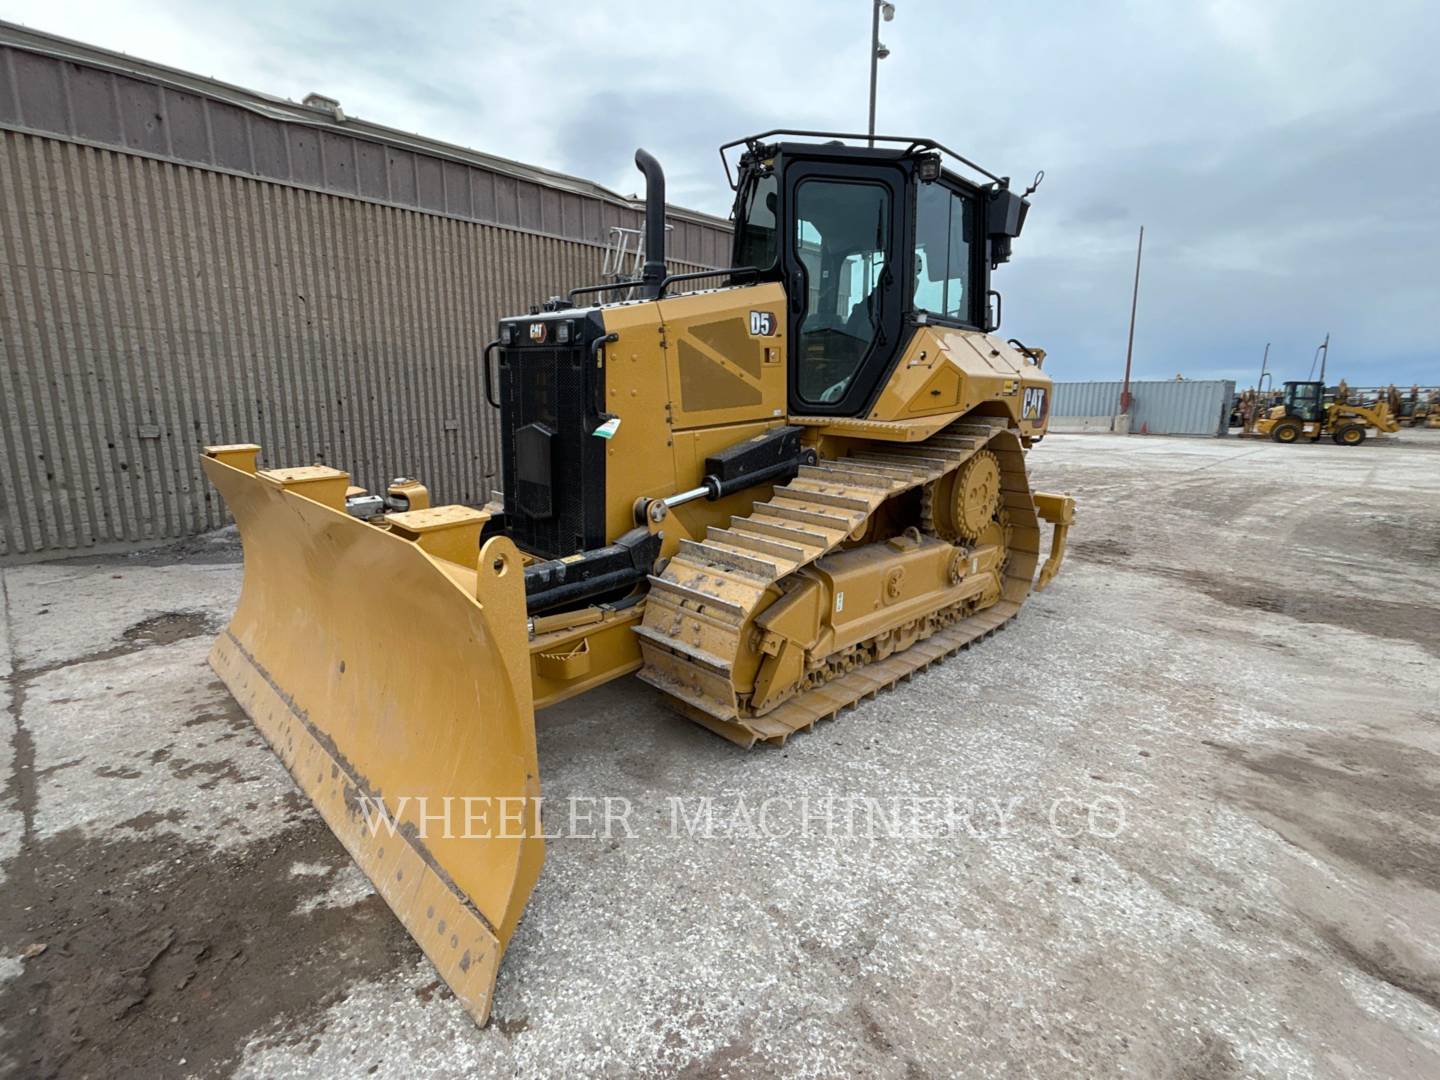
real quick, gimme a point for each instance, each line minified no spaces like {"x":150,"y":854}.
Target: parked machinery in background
{"x":1305,"y":414}
{"x":1420,"y":406}
{"x":1409,"y":408}
{"x":1246,"y":410}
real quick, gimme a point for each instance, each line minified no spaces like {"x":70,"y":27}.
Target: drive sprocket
{"x":963,"y":505}
{"x":977,"y":494}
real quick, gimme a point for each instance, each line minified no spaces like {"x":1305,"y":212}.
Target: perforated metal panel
{"x":560,"y":510}
{"x":712,"y":357}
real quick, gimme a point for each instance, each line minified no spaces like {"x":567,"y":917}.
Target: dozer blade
{"x":388,"y":668}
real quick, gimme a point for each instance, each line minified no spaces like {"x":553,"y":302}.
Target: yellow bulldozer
{"x":1303,"y":413}
{"x":771,"y":499}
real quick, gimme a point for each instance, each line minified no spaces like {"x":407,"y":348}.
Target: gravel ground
{"x":1194,"y":831}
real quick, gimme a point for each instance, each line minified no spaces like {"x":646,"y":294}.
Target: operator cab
{"x":869,"y":242}
{"x":1305,"y":401}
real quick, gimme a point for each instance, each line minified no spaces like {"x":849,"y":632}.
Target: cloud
{"x":599,"y":136}
{"x":1281,"y":155}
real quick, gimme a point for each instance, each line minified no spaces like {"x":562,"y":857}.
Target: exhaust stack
{"x":654,"y":271}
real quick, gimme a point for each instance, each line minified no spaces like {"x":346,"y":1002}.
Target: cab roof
{"x":901,"y":147}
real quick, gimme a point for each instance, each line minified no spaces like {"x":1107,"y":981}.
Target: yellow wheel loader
{"x":770,"y":499}
{"x":1304,"y":414}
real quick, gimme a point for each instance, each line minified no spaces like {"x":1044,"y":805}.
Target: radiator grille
{"x":547,"y":403}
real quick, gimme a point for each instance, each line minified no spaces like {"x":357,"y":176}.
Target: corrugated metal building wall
{"x":184,"y":262}
{"x":1160,"y":407}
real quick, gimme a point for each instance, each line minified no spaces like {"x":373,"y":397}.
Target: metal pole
{"x":1264,"y":364}
{"x":1130,"y":345}
{"x":1322,"y":352}
{"x":874,"y":62}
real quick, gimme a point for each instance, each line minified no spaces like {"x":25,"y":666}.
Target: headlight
{"x":562,"y":332}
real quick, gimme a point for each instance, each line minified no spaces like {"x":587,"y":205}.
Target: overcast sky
{"x":1282,"y":155}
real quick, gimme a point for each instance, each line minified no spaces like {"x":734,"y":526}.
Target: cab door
{"x":844,"y":274}
{"x":1305,"y":401}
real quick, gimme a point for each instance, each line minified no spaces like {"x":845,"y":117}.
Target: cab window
{"x":842,"y":232}
{"x":942,"y":252}
{"x":755,"y":223}
{"x":1304,"y":400}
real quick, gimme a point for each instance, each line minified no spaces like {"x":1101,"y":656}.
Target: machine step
{"x":791,"y":512}
{"x":855,"y":477}
{"x":800,"y":537}
{"x":763,"y":545}
{"x":679,"y":593}
{"x":705,"y":552}
{"x":718,"y":665}
{"x":803,"y":491}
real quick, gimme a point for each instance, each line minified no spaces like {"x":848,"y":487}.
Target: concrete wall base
{"x":1077,"y":425}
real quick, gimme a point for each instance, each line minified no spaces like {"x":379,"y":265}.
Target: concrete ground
{"x":1198,"y":835}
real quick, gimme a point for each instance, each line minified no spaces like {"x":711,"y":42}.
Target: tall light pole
{"x":883,"y":10}
{"x":1130,"y":344}
{"x":1322,"y":353}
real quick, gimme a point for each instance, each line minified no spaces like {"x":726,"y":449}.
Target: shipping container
{"x":1157,"y":407}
